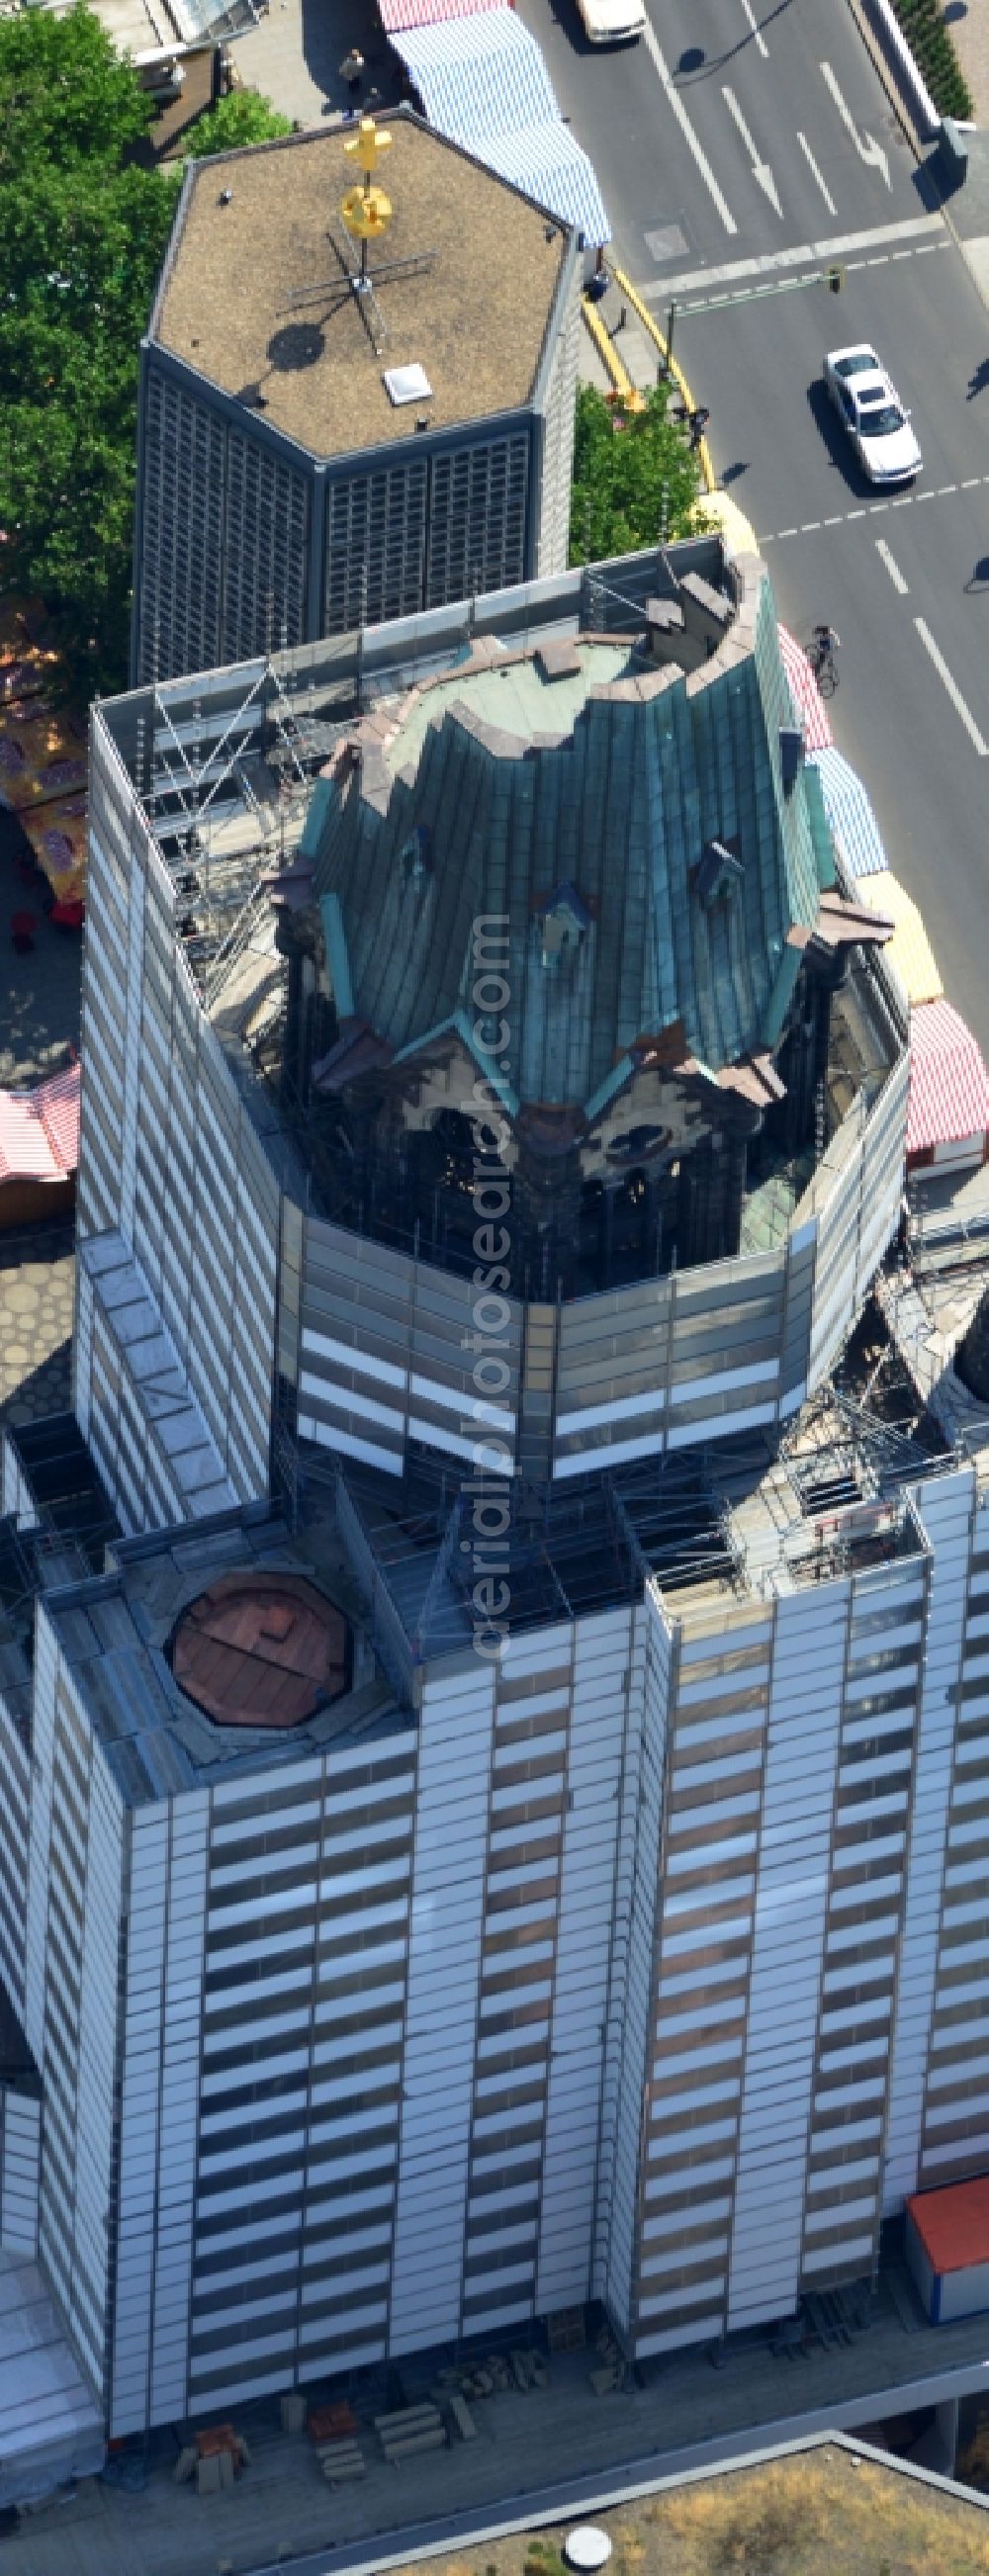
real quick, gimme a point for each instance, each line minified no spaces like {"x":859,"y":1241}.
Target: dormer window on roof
{"x":717,"y":874}
{"x":564,"y":922}
{"x":413,"y":857}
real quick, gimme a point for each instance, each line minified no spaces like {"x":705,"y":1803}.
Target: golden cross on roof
{"x":365,"y":145}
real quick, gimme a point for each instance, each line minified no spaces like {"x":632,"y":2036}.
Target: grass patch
{"x":818,"y":2513}
{"x":934,"y":55}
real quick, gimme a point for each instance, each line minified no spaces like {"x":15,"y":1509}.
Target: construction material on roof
{"x":947,"y":2248}
{"x":483,"y":83}
{"x":949,"y":1085}
{"x":848,"y":810}
{"x":39,"y":1129}
{"x":909,"y":949}
{"x":805,"y":693}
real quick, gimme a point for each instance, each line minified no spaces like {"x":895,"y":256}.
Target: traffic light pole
{"x":832,"y":278}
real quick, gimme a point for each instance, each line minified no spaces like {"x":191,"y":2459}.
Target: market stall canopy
{"x":849,"y":812}
{"x":805,"y":693}
{"x":909,"y":949}
{"x":39,"y":1129}
{"x":949,"y":1085}
{"x":396,"y":14}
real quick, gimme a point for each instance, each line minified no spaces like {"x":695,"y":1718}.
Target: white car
{"x":612,"y":22}
{"x":877,"y":424}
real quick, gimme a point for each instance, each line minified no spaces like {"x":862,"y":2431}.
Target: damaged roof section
{"x":618,"y":807}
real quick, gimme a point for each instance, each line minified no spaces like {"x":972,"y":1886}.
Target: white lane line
{"x":809,"y":157}
{"x":690,"y":138}
{"x":953,"y":690}
{"x":867,"y":149}
{"x":756,"y":29}
{"x":761,"y":171}
{"x":813,"y":254}
{"x":892,"y":568}
{"x":905,"y":501}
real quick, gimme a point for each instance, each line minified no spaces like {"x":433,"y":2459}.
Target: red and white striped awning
{"x":396,"y":14}
{"x":949,"y":1085}
{"x":805,"y":693}
{"x":39,"y":1129}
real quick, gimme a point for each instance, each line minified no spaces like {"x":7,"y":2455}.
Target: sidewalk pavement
{"x":293,"y":56}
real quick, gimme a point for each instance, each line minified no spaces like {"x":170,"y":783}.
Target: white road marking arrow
{"x":761,"y":171}
{"x":867,"y":149}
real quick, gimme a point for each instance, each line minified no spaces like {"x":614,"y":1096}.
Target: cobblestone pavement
{"x":37,"y":1285}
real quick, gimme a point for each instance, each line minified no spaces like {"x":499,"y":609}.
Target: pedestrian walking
{"x":352,"y":69}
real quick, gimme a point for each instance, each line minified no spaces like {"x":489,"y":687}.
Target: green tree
{"x":82,"y":232}
{"x":244,"y":116}
{"x":636,"y":479}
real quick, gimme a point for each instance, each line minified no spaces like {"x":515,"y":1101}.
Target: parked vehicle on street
{"x":612,"y":22}
{"x":868,"y":404}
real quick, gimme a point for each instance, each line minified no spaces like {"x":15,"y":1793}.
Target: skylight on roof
{"x":406,"y":384}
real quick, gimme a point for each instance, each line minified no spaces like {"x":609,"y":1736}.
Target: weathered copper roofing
{"x":261,"y":1649}
{"x":657,"y":802}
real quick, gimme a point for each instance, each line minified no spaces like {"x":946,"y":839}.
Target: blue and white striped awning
{"x":850,"y":814}
{"x":478,"y":76}
{"x":545,"y":163}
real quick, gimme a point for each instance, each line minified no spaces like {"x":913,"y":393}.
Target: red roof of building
{"x":39,"y":1129}
{"x":953,"y":2224}
{"x":949,"y":1085}
{"x":806,"y":694}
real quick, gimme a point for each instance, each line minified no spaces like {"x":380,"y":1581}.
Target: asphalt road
{"x":744,"y":143}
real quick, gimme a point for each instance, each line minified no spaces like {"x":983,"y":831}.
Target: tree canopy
{"x":244,"y":116}
{"x":82,"y":231}
{"x":636,"y":479}
{"x":83,"y":228}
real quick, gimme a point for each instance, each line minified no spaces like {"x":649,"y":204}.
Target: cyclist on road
{"x":825,"y":643}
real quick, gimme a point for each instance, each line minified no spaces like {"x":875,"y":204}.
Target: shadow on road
{"x":840,"y":454}
{"x":695,"y":65}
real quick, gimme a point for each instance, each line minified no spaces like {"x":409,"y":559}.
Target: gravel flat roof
{"x":475,"y":317}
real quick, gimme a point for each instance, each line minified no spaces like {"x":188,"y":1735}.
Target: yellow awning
{"x":910,"y":949}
